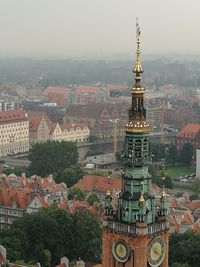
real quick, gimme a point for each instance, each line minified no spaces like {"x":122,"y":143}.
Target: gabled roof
{"x":190,"y":128}
{"x":35,"y":120}
{"x":68,"y":126}
{"x":12,"y":115}
{"x":14,"y":195}
{"x":53,"y":127}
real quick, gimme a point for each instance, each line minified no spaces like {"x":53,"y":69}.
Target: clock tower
{"x":136,"y":234}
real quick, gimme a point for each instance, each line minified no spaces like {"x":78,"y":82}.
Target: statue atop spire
{"x":138,"y":30}
{"x":138,"y":65}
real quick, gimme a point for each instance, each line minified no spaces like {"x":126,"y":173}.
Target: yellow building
{"x":14,"y":132}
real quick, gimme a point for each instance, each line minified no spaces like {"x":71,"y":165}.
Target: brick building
{"x":189,"y":134}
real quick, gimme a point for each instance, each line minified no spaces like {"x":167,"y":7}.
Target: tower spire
{"x":137,"y":113}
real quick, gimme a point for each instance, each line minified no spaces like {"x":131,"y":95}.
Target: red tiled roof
{"x":174,"y":203}
{"x":56,"y":91}
{"x":12,"y":115}
{"x":196,"y":227}
{"x":186,"y":218}
{"x":100,"y":183}
{"x":190,"y":128}
{"x":43,"y":202}
{"x":193,"y":205}
{"x":14,"y":195}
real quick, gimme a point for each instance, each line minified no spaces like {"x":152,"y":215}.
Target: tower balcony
{"x":120,"y":227}
{"x":134,"y":230}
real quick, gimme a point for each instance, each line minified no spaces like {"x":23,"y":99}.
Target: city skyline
{"x":67,"y":28}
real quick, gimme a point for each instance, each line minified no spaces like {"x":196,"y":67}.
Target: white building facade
{"x":14,"y":132}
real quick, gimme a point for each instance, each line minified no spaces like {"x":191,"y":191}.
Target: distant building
{"x":57,"y":95}
{"x":14,"y":129}
{"x":189,"y":134}
{"x":102,"y":119}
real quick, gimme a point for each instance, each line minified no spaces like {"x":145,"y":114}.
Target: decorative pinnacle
{"x":138,"y":65}
{"x":142,"y":195}
{"x":108,"y":193}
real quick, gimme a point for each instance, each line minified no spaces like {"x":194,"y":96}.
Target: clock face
{"x":156,"y":251}
{"x":121,"y":251}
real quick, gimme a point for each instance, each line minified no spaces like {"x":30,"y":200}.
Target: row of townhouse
{"x":18,"y":129}
{"x":42,"y":129}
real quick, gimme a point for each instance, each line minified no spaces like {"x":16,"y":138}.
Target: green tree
{"x":158,"y":151}
{"x":45,"y":258}
{"x":70,"y":176}
{"x":77,"y":193}
{"x":92,"y":198}
{"x":50,"y":234}
{"x":177,"y":264}
{"x":87,"y":232}
{"x":52,"y":157}
{"x":184,"y":248}
{"x":172,"y":154}
{"x":186,"y":154}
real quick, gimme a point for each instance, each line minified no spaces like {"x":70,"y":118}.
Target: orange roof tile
{"x":193,"y":205}
{"x":190,"y":128}
{"x":43,"y":202}
{"x":174,"y":203}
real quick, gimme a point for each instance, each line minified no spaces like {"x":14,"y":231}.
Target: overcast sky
{"x":52,"y":28}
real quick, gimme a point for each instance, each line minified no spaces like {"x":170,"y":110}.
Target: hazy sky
{"x":53,"y":28}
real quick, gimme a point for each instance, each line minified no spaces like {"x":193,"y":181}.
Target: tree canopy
{"x":52,"y":156}
{"x":186,"y":154}
{"x":184,"y":249}
{"x":71,"y":235}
